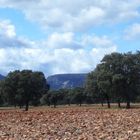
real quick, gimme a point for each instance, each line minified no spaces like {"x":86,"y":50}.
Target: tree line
{"x":24,"y":88}
{"x":115,"y":79}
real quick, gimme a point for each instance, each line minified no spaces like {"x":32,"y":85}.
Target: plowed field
{"x":72,"y":123}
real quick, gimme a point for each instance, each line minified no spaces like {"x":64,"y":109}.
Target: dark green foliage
{"x":23,"y":87}
{"x":51,"y":98}
{"x":67,"y":97}
{"x":64,"y":96}
{"x":78,"y":95}
{"x":45,"y":99}
{"x":117,"y":78}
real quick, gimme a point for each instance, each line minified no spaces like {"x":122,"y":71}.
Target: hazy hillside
{"x":66,"y":80}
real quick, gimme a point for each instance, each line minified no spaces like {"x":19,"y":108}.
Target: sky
{"x":62,"y":36}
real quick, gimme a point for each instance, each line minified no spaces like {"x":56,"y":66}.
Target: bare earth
{"x":76,"y":123}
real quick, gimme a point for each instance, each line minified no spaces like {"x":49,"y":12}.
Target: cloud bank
{"x":75,"y":15}
{"x":59,"y":53}
{"x":68,"y":48}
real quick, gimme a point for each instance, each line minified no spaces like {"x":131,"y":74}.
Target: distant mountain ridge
{"x":61,"y":81}
{"x":1,"y":77}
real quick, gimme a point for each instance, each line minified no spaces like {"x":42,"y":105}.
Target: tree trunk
{"x":54,"y":105}
{"x":128,"y":104}
{"x":119,"y":104}
{"x":102,"y":103}
{"x":69,"y":102}
{"x":108,"y":101}
{"x":49,"y":104}
{"x":27,"y":106}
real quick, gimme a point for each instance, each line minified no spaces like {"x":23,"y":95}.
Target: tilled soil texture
{"x":75,"y":123}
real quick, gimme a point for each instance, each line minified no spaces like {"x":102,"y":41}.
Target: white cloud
{"x":7,"y":29}
{"x":62,"y":40}
{"x":75,"y":15}
{"x":8,"y":37}
{"x":59,"y":53}
{"x":132,"y":32}
{"x":103,"y":41}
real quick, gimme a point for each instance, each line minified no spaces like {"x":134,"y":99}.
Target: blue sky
{"x":65,"y":36}
{"x":23,"y":26}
